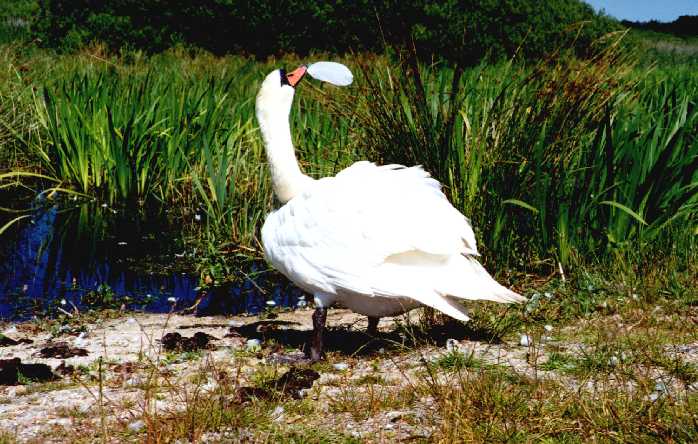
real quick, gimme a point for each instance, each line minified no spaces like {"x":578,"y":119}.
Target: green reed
{"x":564,"y":161}
{"x":568,"y":160}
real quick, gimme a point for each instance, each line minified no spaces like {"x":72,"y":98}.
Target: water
{"x":83,"y":255}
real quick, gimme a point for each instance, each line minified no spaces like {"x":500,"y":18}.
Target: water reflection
{"x":76,"y":254}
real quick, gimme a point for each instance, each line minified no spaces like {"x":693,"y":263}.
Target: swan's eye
{"x":284,"y":78}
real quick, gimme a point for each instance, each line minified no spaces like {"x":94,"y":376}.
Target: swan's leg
{"x":316,"y":345}
{"x":322,"y":303}
{"x":372,"y":329}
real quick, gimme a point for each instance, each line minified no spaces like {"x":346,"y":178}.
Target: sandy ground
{"x":122,"y":353}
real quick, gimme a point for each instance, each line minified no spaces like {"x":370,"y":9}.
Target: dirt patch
{"x":8,"y":342}
{"x":62,"y":350}
{"x":290,"y":384}
{"x":13,"y":372}
{"x":176,"y":342}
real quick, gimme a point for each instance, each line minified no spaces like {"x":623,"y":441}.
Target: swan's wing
{"x":373,"y":230}
{"x":402,"y":209}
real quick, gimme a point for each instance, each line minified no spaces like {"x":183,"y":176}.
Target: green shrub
{"x":465,"y":31}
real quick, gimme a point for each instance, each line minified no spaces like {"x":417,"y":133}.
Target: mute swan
{"x":380,"y":240}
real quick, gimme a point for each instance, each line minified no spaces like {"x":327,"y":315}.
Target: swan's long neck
{"x":286,"y":176}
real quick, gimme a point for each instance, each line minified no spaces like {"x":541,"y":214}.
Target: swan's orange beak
{"x":295,"y":76}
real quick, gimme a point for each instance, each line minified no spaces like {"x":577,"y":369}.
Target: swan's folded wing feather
{"x":340,"y":229}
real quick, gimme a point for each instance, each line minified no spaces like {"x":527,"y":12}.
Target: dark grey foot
{"x":372,"y":329}
{"x":316,"y":343}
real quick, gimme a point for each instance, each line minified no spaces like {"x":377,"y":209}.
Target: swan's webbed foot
{"x":372,"y":329}
{"x":316,"y":343}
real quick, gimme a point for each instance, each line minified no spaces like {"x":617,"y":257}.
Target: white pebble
{"x":271,"y":303}
{"x":341,"y":366}
{"x":278,"y":414}
{"x":525,"y":340}
{"x":548,"y":328}
{"x":136,"y":426}
{"x":172,"y":300}
{"x":235,"y":323}
{"x":661,"y":388}
{"x":253,"y":344}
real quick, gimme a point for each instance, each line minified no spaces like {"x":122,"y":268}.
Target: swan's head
{"x":275,"y":97}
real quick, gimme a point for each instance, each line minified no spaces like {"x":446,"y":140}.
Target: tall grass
{"x":563,"y":162}
{"x":566,"y":161}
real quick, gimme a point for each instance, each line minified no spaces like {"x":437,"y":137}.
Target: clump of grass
{"x":499,"y":406}
{"x":456,"y":361}
{"x":7,"y":437}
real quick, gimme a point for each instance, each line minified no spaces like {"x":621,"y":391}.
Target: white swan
{"x":380,"y":240}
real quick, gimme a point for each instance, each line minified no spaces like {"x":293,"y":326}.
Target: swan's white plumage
{"x":380,"y":232}
{"x":381,"y":240}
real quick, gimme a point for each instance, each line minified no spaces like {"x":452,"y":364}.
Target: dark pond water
{"x":88,"y":255}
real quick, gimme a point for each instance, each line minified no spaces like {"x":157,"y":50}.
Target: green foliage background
{"x":464,"y":31}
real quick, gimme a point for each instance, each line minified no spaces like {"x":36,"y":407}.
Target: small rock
{"x":661,"y":388}
{"x":341,"y":366}
{"x":136,"y":426}
{"x":271,"y":303}
{"x":548,"y":328}
{"x":235,"y":323}
{"x":278,"y":414}
{"x":209,"y":386}
{"x":134,"y":381}
{"x":525,"y":341}
{"x":394,"y":415}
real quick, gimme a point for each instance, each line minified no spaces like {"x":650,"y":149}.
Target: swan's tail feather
{"x":472,"y":281}
{"x":440,"y":283}
{"x":445,"y":305}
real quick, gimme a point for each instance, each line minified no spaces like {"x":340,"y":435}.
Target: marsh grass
{"x":568,"y":160}
{"x":561,"y":163}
